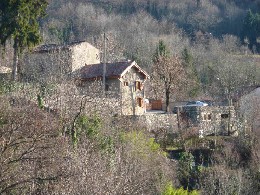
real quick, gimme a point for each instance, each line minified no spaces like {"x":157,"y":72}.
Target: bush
{"x":170,"y":190}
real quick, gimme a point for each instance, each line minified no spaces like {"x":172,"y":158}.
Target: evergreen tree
{"x":189,"y":65}
{"x":19,"y":21}
{"x":187,"y":58}
{"x":161,"y":51}
{"x":251,"y":28}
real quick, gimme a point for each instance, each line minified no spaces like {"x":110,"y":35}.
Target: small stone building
{"x":54,"y":62}
{"x":218,"y":120}
{"x":123,"y":80}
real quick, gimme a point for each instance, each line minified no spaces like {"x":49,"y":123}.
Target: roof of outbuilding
{"x":116,"y":69}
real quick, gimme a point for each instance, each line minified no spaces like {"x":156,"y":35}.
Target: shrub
{"x":170,"y":190}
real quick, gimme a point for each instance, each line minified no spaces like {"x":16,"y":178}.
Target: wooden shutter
{"x":139,"y":101}
{"x":142,"y":102}
{"x":141,"y":86}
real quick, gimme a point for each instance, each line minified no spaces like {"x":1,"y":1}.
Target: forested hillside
{"x":214,"y":34}
{"x":216,"y":17}
{"x":57,"y":137}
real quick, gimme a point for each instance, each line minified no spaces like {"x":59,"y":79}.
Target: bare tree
{"x":31,"y":150}
{"x":168,"y":75}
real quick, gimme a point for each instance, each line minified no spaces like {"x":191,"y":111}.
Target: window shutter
{"x":138,"y":85}
{"x":139,"y":101}
{"x":141,"y":86}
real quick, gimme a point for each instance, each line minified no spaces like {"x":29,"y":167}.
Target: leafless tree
{"x":168,"y":76}
{"x":30,"y":143}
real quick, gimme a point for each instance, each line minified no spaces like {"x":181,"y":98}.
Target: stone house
{"x":219,"y":120}
{"x":123,"y":80}
{"x":54,"y":62}
{"x":80,"y":62}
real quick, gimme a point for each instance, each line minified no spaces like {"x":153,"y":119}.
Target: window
{"x":224,"y":116}
{"x":125,"y":83}
{"x":139,"y":101}
{"x":209,"y":117}
{"x":138,"y":85}
{"x":107,"y":87}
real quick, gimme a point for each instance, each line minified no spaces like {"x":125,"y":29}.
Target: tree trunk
{"x":167,"y":93}
{"x":15,"y":61}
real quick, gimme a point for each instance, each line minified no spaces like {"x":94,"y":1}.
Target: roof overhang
{"x":99,"y":78}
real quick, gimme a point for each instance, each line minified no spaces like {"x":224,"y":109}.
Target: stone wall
{"x":151,"y":122}
{"x":130,"y":93}
{"x":161,"y":121}
{"x":210,"y":119}
{"x":84,"y":54}
{"x":58,"y":62}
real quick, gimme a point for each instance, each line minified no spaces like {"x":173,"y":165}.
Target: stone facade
{"x":161,"y":121}
{"x":208,"y":120}
{"x":54,"y":61}
{"x":153,"y":122}
{"x":219,"y":120}
{"x":124,"y":81}
{"x":132,"y":93}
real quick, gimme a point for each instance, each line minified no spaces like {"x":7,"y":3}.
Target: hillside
{"x":118,"y":98}
{"x":218,"y":17}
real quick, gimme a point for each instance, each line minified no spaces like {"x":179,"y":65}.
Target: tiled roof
{"x":112,"y":70}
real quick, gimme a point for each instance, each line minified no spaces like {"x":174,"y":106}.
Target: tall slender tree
{"x":168,"y":75}
{"x":19,"y":21}
{"x":189,"y":65}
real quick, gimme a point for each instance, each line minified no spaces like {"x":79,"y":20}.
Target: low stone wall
{"x":151,"y":122}
{"x":161,"y":121}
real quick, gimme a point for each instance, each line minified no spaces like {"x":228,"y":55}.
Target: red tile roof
{"x":116,"y":69}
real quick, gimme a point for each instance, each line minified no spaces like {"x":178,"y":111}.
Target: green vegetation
{"x":251,"y":29}
{"x":170,"y":190}
{"x":20,"y":22}
{"x":161,"y":51}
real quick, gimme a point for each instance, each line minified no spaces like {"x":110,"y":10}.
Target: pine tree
{"x":191,"y":70}
{"x":161,"y":51}
{"x":251,"y":28}
{"x":19,"y":21}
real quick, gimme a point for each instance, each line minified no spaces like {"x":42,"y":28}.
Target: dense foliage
{"x":19,"y":21}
